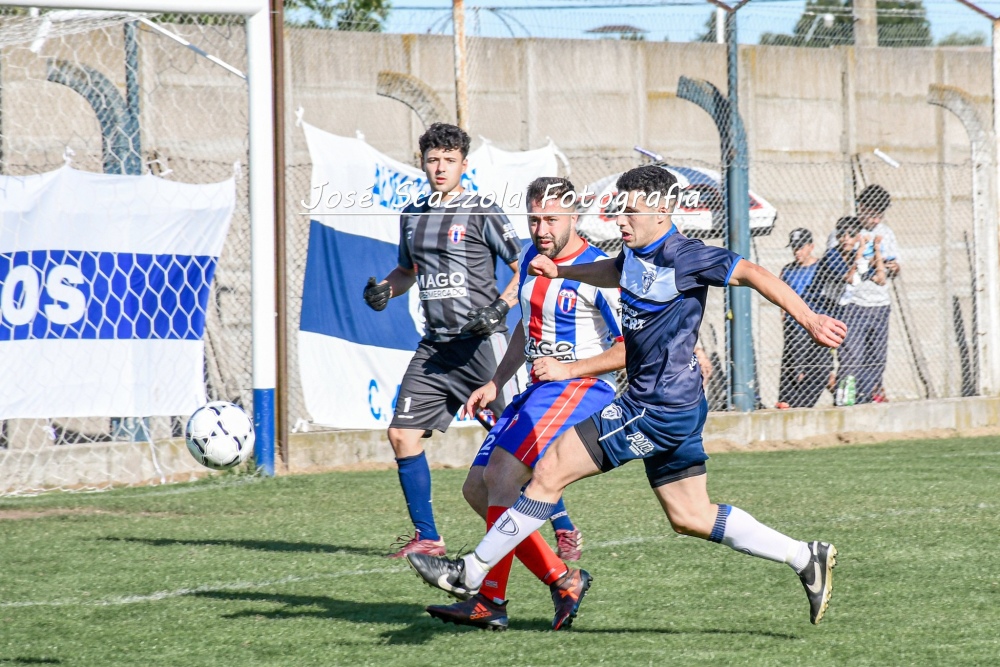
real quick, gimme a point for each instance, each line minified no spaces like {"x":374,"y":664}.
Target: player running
{"x":449,"y":243}
{"x":664,"y":279}
{"x":570,"y":337}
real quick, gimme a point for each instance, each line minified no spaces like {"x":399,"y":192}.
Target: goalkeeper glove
{"x":484,"y":321}
{"x":377,"y":296}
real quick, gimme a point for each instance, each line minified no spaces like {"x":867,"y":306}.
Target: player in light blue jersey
{"x":664,"y":279}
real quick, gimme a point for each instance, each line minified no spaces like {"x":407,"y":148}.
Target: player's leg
{"x":679,"y":481}
{"x":565,"y":461}
{"x":420,"y":408}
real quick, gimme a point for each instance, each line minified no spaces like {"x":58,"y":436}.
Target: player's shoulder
{"x":592,"y":253}
{"x":528,"y":252}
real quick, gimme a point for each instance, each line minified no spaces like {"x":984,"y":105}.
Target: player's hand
{"x":543,"y":266}
{"x":550,"y":369}
{"x":481,"y":397}
{"x":377,"y":295}
{"x":484,"y":321}
{"x":826,"y":331}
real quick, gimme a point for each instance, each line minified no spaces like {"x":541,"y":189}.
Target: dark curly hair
{"x":648,"y":179}
{"x":446,"y":137}
{"x":875,"y":198}
{"x":554,"y":186}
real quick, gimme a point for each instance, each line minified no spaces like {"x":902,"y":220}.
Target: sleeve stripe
{"x":732,"y":267}
{"x":609,"y":316}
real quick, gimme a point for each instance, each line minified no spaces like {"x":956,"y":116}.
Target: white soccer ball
{"x":219,"y":435}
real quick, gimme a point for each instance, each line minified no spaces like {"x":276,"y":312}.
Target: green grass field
{"x":239,"y":571}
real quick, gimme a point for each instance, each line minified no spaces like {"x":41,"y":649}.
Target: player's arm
{"x":603,"y":273}
{"x":501,"y":238}
{"x":823,"y":329}
{"x":513,"y":359}
{"x":551,"y":369}
{"x":399,"y":280}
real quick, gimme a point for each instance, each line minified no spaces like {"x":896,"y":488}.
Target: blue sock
{"x":560,"y":517}
{"x":415,"y":478}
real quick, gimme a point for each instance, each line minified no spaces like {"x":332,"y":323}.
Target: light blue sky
{"x":677,"y":20}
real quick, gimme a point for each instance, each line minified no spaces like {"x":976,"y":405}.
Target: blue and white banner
{"x":104,"y":284}
{"x":352,"y":359}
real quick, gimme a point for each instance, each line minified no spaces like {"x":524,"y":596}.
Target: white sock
{"x":513,"y":527}
{"x":741,"y":532}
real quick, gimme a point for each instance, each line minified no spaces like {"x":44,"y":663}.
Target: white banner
{"x":104,"y":284}
{"x":352,"y":359}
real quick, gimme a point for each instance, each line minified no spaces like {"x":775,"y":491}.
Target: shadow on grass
{"x":256,"y":545}
{"x":21,"y":660}
{"x":419,"y":628}
{"x":540,"y":625}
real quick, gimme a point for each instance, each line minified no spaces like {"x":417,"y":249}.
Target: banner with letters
{"x":351,"y":358}
{"x":104,"y":285}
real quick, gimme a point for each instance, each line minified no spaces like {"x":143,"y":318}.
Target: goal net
{"x":125,"y":241}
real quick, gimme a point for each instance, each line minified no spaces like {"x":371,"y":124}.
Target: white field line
{"x":247,"y":585}
{"x":181,"y":592}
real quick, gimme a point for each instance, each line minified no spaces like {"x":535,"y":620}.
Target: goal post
{"x":260,"y":185}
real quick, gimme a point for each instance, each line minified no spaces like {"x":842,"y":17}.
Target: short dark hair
{"x":848,"y":225}
{"x":875,"y":198}
{"x":446,"y":137}
{"x":553,"y":186}
{"x":647,"y":179}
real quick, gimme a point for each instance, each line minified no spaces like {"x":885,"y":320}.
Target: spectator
{"x":867,"y":304}
{"x":805,"y":366}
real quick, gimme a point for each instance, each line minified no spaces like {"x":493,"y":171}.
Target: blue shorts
{"x":541,"y":413}
{"x":669,"y":443}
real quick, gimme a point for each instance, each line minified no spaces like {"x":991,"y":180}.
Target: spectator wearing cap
{"x":867,"y":304}
{"x":805,"y":366}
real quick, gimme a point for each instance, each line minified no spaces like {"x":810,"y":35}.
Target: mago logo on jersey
{"x":613,"y":411}
{"x":456,"y":233}
{"x":567,"y":300}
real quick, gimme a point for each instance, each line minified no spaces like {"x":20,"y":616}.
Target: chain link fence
{"x":598,"y":81}
{"x":64,"y":101}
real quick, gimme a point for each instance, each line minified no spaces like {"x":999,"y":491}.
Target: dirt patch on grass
{"x":842,"y":439}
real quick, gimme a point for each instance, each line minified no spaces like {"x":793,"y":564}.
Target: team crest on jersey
{"x":567,"y":300}
{"x":647,"y":280}
{"x":456,"y":233}
{"x":613,"y":411}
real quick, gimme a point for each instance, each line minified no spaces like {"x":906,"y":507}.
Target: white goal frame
{"x":261,"y":186}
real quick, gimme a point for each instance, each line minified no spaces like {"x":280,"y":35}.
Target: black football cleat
{"x":444,"y":573}
{"x":478,"y":611}
{"x":567,"y":594}
{"x":817,"y":578}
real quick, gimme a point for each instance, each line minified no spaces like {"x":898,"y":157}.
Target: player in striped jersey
{"x":664,"y":279}
{"x":570,"y":337}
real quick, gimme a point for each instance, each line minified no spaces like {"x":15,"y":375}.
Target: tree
{"x":831,"y":23}
{"x":963,"y":39}
{"x":357,"y":15}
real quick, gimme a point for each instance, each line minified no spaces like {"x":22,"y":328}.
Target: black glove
{"x":377,"y":296}
{"x":484,"y":321}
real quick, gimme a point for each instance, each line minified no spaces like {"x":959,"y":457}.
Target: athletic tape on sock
{"x":536,"y":509}
{"x":719,"y":529}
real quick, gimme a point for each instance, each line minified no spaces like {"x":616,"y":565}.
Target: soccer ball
{"x":219,"y":435}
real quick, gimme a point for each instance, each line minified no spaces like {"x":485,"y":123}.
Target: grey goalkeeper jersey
{"x":454,"y":257}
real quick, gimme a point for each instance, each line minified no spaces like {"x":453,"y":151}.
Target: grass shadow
{"x":256,"y":545}
{"x":22,"y":660}
{"x":541,"y":625}
{"x":418,"y":627}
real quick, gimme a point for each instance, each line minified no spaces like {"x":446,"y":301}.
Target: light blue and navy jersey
{"x":663,"y":291}
{"x":800,"y":279}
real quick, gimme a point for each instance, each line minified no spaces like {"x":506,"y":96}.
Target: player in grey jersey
{"x":449,"y":243}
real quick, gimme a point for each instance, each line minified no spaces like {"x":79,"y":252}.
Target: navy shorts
{"x":540,"y":414}
{"x":669,"y":443}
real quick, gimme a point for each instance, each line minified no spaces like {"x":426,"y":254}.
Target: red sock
{"x":538,"y":556}
{"x":495,"y":584}
{"x":534,"y":552}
